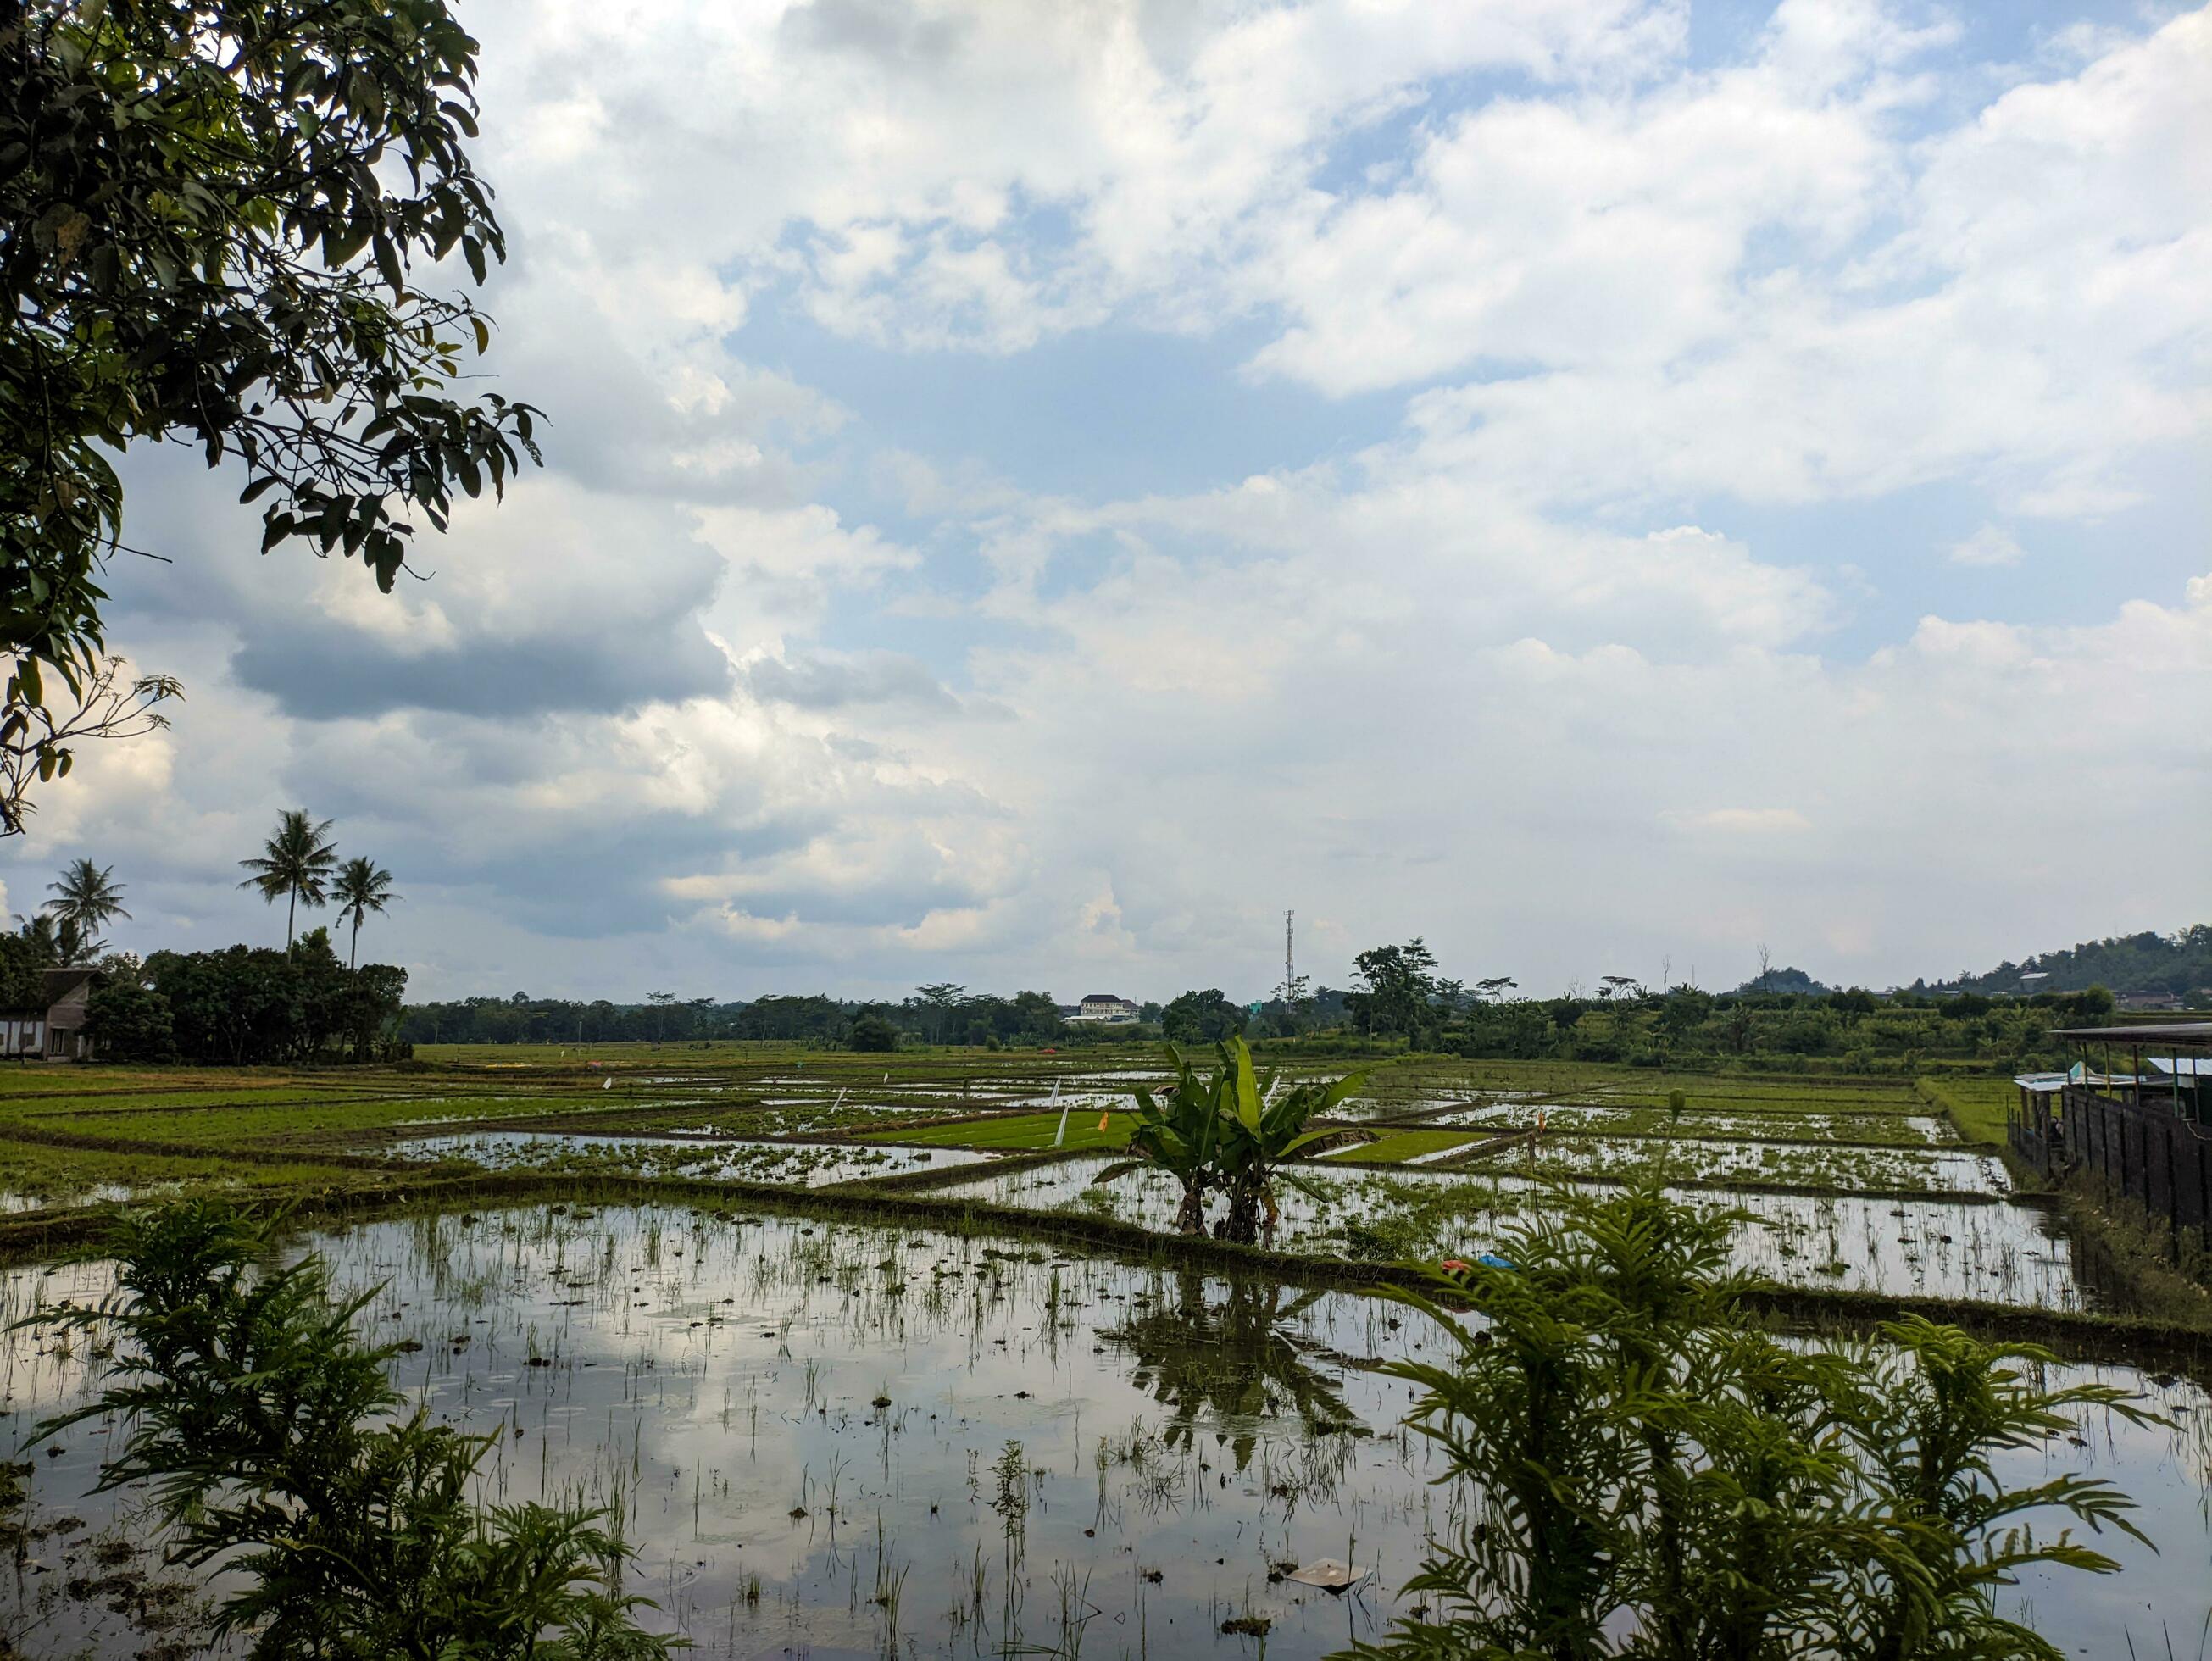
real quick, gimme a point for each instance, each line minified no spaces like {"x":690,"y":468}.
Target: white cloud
{"x":1991,"y":544}
{"x":1739,"y":821}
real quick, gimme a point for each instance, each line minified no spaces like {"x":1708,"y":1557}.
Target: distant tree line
{"x":939,"y":1014}
{"x":1402,"y":1001}
{"x":251,"y":1006}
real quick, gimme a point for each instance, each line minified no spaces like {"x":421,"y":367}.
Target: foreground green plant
{"x":1653,"y":1477}
{"x":261,"y":1428}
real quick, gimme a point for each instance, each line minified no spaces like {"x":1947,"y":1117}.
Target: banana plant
{"x":1183,"y":1138}
{"x":1230,"y":1131}
{"x":1263,"y":1131}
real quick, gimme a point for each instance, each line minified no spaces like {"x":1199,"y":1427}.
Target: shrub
{"x":1650,"y":1473}
{"x":262,"y":1429}
{"x":872,"y":1034}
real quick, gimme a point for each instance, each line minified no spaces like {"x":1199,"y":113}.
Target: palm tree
{"x":295,"y":865}
{"x":362,"y":886}
{"x":67,"y":946}
{"x":87,"y":895}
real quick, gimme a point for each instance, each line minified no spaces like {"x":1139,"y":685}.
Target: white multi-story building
{"x":1105,"y":1006}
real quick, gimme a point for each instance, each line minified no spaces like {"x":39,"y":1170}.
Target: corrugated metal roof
{"x":2185,"y":1066}
{"x":2190,"y":1035}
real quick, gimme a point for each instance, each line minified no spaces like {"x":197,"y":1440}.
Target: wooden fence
{"x":2141,"y":1151}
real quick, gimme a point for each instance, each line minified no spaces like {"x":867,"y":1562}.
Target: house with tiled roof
{"x":54,"y":1030}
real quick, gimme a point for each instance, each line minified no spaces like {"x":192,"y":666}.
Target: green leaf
{"x":387,"y":264}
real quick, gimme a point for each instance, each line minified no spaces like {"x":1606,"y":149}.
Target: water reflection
{"x":1231,"y":1365}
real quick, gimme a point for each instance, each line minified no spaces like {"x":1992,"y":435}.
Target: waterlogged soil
{"x":821,"y":1119}
{"x":1899,"y":1129}
{"x":1417,"y":1146}
{"x":2001,"y":1253}
{"x":13,"y":1204}
{"x":1847,"y":1170}
{"x":807,"y":1164}
{"x":842,"y":1440}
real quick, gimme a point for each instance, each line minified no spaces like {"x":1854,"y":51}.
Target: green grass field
{"x":1977,"y":1106}
{"x":34,"y":1177}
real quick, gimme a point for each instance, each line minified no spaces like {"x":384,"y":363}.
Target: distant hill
{"x":1786,"y":980}
{"x":2147,"y":965}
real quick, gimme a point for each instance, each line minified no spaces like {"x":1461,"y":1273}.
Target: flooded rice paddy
{"x":832,"y":1440}
{"x":813,"y":1164}
{"x":1926,"y":1170}
{"x":1599,"y":1119}
{"x":842,"y":1440}
{"x":2001,"y":1253}
{"x":14,"y":1204}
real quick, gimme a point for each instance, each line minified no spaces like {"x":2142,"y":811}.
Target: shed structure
{"x":2144,"y":1134}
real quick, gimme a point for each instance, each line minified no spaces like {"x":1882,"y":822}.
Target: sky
{"x":1035,"y":491}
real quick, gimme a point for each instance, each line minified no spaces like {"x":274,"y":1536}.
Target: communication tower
{"x":1294,"y":990}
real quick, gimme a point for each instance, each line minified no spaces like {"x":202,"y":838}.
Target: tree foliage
{"x":1205,"y":1017}
{"x":360,"y":887}
{"x":1181,"y":1137}
{"x":2179,"y":963}
{"x":295,"y":864}
{"x":22,"y":980}
{"x":131,"y":1024}
{"x":1027,"y":1018}
{"x":1397,"y":983}
{"x":37,"y":741}
{"x":248,"y":1006}
{"x":872,"y":1034}
{"x":57,"y":942}
{"x":217,"y":223}
{"x":86,"y":895}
